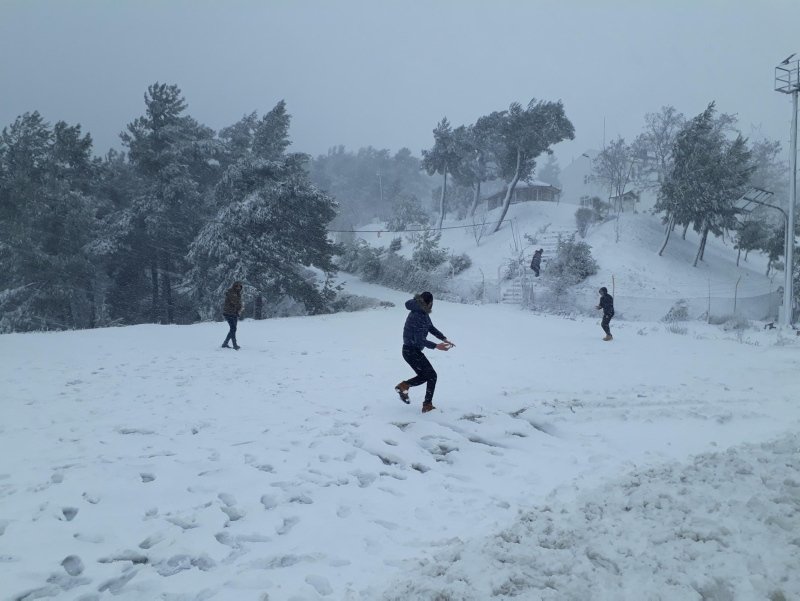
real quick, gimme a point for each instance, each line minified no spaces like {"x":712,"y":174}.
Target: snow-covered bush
{"x":352,"y":302}
{"x":427,"y":255}
{"x":573,"y":263}
{"x":459,"y":263}
{"x":732,"y":322}
{"x":675,"y":328}
{"x":584,"y":218}
{"x":678,"y":312}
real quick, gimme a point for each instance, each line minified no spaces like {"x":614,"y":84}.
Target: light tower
{"x":787,"y":81}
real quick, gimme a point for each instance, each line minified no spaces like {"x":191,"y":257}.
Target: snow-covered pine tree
{"x":442,"y":158}
{"x":47,"y":219}
{"x":272,"y":227}
{"x":526,"y":134}
{"x":710,"y":172}
{"x":173,"y":154}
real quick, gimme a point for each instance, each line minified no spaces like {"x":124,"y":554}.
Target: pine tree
{"x":172,"y":153}
{"x":526,"y":134}
{"x":442,"y":159}
{"x":710,"y":172}
{"x":47,"y":218}
{"x":272,"y":227}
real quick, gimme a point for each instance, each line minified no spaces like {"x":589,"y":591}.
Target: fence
{"x":722,"y":299}
{"x":762,"y":306}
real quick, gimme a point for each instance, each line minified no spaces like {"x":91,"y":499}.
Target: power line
{"x":449,"y":227}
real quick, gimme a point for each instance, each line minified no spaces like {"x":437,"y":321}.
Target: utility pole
{"x":787,"y":81}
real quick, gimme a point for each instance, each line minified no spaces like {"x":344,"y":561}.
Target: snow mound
{"x":722,"y":527}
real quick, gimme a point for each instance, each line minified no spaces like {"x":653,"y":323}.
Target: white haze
{"x":364,"y":73}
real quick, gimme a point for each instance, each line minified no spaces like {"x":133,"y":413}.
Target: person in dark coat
{"x":607,"y":305}
{"x":231,"y":311}
{"x":536,"y":261}
{"x":415,"y":338}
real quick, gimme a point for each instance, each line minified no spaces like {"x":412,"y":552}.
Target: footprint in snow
{"x":147,"y":477}
{"x":69,"y":513}
{"x":73,"y":565}
{"x":320,"y":584}
{"x":268,"y":502}
{"x":288,"y":524}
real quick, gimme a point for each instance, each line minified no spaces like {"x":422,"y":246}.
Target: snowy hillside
{"x":147,"y":463}
{"x":645,"y":285}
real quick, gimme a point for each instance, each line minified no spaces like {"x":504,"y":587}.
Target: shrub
{"x":572,"y":264}
{"x":459,"y":263}
{"x":678,"y":312}
{"x":427,"y":255}
{"x":584,"y":217}
{"x":406,"y":212}
{"x":677,"y":329}
{"x":395,"y":245}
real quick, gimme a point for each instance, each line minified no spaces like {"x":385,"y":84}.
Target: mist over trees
{"x":155,"y":234}
{"x":369,"y":183}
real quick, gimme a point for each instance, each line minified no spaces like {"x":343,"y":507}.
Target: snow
{"x":148,"y":463}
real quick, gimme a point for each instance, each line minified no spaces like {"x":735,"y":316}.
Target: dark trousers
{"x":536,"y":270}
{"x":424,"y":370}
{"x":232,"y":320}
{"x":605,"y":323}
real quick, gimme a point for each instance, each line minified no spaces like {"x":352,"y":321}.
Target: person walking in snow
{"x":231,"y":311}
{"x":415,"y":332}
{"x":607,"y":305}
{"x":536,"y":261}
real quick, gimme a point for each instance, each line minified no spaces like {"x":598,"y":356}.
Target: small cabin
{"x":629,"y":200}
{"x":526,"y":192}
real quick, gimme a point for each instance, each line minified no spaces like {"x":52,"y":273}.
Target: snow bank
{"x":725,"y":526}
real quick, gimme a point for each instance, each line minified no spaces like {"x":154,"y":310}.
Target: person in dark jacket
{"x":415,"y":339}
{"x":536,"y":261}
{"x":231,"y":311}
{"x":607,"y":305}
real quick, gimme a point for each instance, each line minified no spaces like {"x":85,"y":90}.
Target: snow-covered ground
{"x":145,"y":463}
{"x":645,"y":285}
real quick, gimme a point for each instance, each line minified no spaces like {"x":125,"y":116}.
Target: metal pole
{"x":788,"y":296}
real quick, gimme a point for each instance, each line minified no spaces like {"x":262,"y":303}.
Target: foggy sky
{"x":382,"y":73}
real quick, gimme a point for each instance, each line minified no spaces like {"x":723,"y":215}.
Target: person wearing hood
{"x":231,"y":311}
{"x":415,"y":338}
{"x":607,"y":305}
{"x":536,"y":261}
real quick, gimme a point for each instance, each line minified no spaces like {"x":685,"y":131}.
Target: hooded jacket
{"x":233,"y":301}
{"x":418,"y":325}
{"x":607,"y":304}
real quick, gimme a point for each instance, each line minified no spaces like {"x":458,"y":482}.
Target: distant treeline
{"x":156,"y":233}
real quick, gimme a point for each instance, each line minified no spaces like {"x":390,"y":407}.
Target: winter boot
{"x":402,"y":390}
{"x":236,"y":347}
{"x":608,"y":337}
{"x":427,"y":406}
{"x":225,"y":345}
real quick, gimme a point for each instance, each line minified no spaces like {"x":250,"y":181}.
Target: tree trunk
{"x":685,"y":229}
{"x":738,"y":256}
{"x":258,"y":307}
{"x":154,"y":290}
{"x":701,"y":248}
{"x":509,"y":192}
{"x":476,"y":199}
{"x":166,"y":289}
{"x":443,"y":200}
{"x":670,"y":227}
